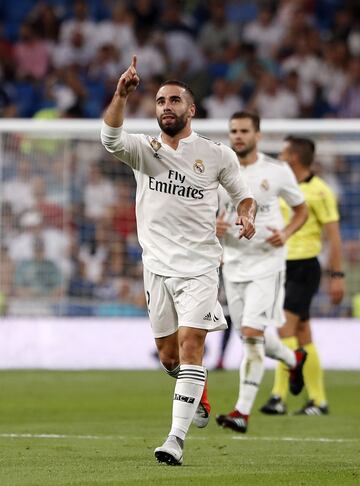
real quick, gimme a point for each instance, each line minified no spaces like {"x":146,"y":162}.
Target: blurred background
{"x":68,"y":244}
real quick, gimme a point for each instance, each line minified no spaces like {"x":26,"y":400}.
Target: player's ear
{"x":192,"y":110}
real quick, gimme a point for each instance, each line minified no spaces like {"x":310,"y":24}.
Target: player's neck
{"x":173,"y":142}
{"x":249,"y":158}
{"x":301,"y":173}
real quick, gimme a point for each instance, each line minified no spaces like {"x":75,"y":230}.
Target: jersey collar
{"x":188,"y":139}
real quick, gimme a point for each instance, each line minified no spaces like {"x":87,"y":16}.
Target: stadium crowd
{"x":68,"y":229}
{"x":284,"y":58}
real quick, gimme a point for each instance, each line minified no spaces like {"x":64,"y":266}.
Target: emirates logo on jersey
{"x":265,"y":185}
{"x":199,"y":167}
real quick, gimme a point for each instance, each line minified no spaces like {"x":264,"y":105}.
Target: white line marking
{"x":121,"y":437}
{"x":295,"y":439}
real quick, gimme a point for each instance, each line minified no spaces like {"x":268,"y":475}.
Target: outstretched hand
{"x":128,"y":81}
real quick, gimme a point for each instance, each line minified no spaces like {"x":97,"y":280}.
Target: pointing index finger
{"x":133,"y":62}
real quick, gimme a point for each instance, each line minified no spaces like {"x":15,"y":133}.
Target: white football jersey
{"x":176,"y":198}
{"x":245,"y":260}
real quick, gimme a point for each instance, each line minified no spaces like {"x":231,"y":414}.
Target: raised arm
{"x":128,"y":82}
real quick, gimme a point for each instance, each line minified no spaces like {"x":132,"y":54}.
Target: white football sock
{"x":276,"y":349}
{"x":174,"y":372}
{"x":251,"y":373}
{"x":188,"y":390}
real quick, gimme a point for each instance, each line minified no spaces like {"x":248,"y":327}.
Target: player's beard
{"x":178,"y":123}
{"x":245,"y":150}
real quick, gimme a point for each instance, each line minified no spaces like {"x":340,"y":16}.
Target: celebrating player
{"x":303,"y":277}
{"x":177,"y":176}
{"x":254,"y":270}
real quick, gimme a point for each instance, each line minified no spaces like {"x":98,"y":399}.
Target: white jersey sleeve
{"x":231,"y":178}
{"x":125,"y":146}
{"x":289,"y":189}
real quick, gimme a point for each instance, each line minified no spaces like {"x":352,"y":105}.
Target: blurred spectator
{"x":264,"y":33}
{"x":117,"y":31}
{"x":51,"y":214}
{"x":17,"y":190}
{"x":354,"y":38}
{"x":80,"y":25}
{"x":307,"y":65}
{"x":151,"y":61}
{"x":122,"y":213}
{"x":74,"y":51}
{"x":98,"y":194}
{"x":46,"y":23}
{"x":217,"y":34}
{"x":93,"y":254}
{"x":332,"y":75}
{"x":145,"y":13}
{"x":7,"y":271}
{"x":31,"y":54}
{"x":272,"y":100}
{"x":350,"y":102}
{"x":222,"y":103}
{"x":8,"y":225}
{"x":37,"y":276}
{"x":56,"y":243}
{"x":182,"y":52}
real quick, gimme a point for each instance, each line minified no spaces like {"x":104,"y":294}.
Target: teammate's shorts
{"x":183,"y":301}
{"x":302,"y":283}
{"x":257,"y":303}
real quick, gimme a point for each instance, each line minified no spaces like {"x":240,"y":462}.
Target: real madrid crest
{"x":155,"y":144}
{"x":265,"y":185}
{"x":199,"y":167}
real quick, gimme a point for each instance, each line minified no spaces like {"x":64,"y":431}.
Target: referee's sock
{"x":188,"y":390}
{"x":281,"y":381}
{"x":314,"y":376}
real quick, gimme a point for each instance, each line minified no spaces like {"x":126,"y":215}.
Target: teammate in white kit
{"x":253,"y":270}
{"x":177,"y":176}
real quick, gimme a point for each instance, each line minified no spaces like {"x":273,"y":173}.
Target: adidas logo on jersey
{"x":207,"y":317}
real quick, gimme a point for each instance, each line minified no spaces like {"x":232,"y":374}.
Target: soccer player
{"x":178,"y":174}
{"x":254,"y":270}
{"x":303,"y":277}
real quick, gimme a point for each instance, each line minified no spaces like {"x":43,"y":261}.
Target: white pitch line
{"x":121,"y":437}
{"x":295,"y":439}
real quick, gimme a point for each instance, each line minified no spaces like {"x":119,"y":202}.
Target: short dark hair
{"x":181,"y":84}
{"x":303,"y":147}
{"x":254,"y":117}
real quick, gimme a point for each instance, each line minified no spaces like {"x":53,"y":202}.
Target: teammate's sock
{"x":251,"y":373}
{"x":188,"y":390}
{"x":174,"y":372}
{"x":281,"y":381}
{"x":276,"y":349}
{"x":314,"y":376}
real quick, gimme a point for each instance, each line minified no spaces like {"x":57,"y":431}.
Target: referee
{"x":303,"y":275}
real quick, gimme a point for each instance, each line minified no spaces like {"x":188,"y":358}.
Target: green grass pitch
{"x":100,"y":428}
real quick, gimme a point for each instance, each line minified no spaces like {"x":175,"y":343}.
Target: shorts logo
{"x":183,"y":398}
{"x":199,"y":167}
{"x":207,"y":317}
{"x":265,"y":185}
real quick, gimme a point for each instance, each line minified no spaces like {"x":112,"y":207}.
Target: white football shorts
{"x":257,"y":303}
{"x":183,"y":301}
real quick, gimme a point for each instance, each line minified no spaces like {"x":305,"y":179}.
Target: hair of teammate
{"x":304,"y":149}
{"x":250,"y":115}
{"x":181,"y":84}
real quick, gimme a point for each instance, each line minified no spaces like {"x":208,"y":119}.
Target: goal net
{"x":68,"y":244}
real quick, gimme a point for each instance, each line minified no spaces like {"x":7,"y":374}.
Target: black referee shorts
{"x":302,"y":283}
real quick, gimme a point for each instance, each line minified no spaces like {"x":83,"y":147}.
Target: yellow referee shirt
{"x":322,"y":206}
